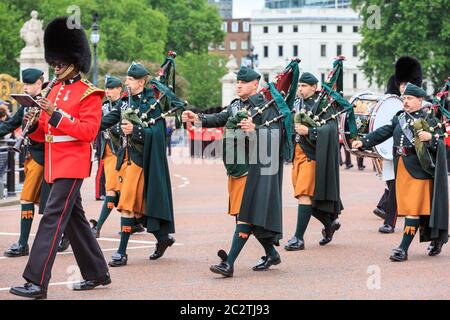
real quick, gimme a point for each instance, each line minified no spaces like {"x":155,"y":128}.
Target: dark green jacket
{"x":35,"y":148}
{"x":110,"y":136}
{"x":237,"y":165}
{"x":434,"y":227}
{"x":261,"y":203}
{"x":307,"y":145}
{"x":142,"y":102}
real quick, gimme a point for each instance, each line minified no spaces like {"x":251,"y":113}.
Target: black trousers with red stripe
{"x":64,"y":214}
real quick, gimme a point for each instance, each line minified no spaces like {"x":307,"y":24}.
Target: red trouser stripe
{"x":57,"y":230}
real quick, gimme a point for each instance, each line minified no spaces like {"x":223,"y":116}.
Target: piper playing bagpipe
{"x":260,"y":211}
{"x":315,"y":172}
{"x":144,"y":180}
{"x":420,"y":170}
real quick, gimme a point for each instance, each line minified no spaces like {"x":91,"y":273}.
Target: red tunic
{"x":77,"y":117}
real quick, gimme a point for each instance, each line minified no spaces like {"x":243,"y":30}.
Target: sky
{"x":243,"y":8}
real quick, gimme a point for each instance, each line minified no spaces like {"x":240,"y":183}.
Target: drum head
{"x":382,"y":115}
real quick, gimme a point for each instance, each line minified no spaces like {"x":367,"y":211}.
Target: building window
{"x":266,"y":51}
{"x":225,"y":26}
{"x":339,"y":28}
{"x":266,"y":77}
{"x":295,"y":51}
{"x":235,"y":26}
{"x":222,"y":46}
{"x":280,"y":29}
{"x":266,"y":29}
{"x":322,"y":77}
{"x":339,"y":50}
{"x":355,"y":50}
{"x":323,"y":28}
{"x":323,"y":50}
{"x":355,"y":29}
{"x":355,"y":81}
{"x":233,"y":45}
{"x":295,"y":29}
{"x":244,"y":45}
{"x":280,"y":51}
{"x":246,"y":26}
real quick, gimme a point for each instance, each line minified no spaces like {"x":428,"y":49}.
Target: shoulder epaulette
{"x":90,"y":89}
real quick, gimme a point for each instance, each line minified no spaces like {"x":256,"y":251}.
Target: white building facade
{"x":316,"y":36}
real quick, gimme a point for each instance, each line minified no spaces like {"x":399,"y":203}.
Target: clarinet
{"x":18,"y":146}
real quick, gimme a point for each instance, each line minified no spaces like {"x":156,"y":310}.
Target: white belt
{"x":54,"y":139}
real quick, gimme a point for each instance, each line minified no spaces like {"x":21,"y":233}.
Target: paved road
{"x":354,"y":266}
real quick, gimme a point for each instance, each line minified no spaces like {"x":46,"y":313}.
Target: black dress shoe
{"x":435,"y":248}
{"x":17,"y":250}
{"x":118,"y":260}
{"x":386,"y":229}
{"x":379,"y":213}
{"x":361,"y":168}
{"x":348,"y":166}
{"x":91,"y":284}
{"x":63,"y":244}
{"x":295,"y":244}
{"x":222,"y":268}
{"x":266,"y":262}
{"x":399,"y":255}
{"x":161,"y":248}
{"x":328,"y":234}
{"x":29,"y":290}
{"x":95,"y":229}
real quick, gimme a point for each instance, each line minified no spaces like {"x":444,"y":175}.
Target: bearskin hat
{"x":67,"y":43}
{"x":408,"y":69}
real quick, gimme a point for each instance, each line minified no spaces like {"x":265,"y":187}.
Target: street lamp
{"x":95,"y":38}
{"x":252,"y":59}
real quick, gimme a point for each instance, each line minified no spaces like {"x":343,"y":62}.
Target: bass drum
{"x":371,"y":112}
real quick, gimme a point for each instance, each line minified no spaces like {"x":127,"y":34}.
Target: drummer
{"x":421,"y":173}
{"x":314,"y":173}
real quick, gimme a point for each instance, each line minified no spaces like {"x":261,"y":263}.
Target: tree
{"x":203,"y":72}
{"x":407,"y":27}
{"x":194,"y":25}
{"x":10,"y":42}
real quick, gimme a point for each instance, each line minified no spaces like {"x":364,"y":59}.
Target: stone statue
{"x":32,"y":31}
{"x":32,"y":56}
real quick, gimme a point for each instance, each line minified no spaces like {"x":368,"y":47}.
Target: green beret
{"x":308,"y":78}
{"x":247,"y":74}
{"x":30,"y":75}
{"x":413,"y":90}
{"x":112,"y":82}
{"x":137,"y":71}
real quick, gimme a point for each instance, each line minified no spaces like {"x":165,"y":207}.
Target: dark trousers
{"x":388,"y":203}
{"x":64,"y":213}
{"x":348,"y":159}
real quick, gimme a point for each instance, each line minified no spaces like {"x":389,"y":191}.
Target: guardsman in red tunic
{"x":68,"y":125}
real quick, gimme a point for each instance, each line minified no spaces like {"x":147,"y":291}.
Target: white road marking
{"x":185,"y":180}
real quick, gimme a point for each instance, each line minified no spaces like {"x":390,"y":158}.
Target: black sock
{"x":322,"y":217}
{"x":268,"y":246}
{"x":125,"y":226}
{"x":107,"y":207}
{"x":411,"y":227}
{"x":27,"y":214}
{"x":239,"y":239}
{"x":303,"y":217}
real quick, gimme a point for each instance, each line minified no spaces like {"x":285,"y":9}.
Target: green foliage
{"x":194,"y":24}
{"x":203,"y":72}
{"x":408,"y":27}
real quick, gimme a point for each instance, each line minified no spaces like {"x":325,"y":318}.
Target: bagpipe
{"x":164,"y":92}
{"x":329,"y":95}
{"x":439,"y":109}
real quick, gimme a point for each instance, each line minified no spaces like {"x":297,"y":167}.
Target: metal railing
{"x":8,"y":169}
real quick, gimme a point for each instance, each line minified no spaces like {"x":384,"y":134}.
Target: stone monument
{"x":229,"y":82}
{"x":32,"y":56}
